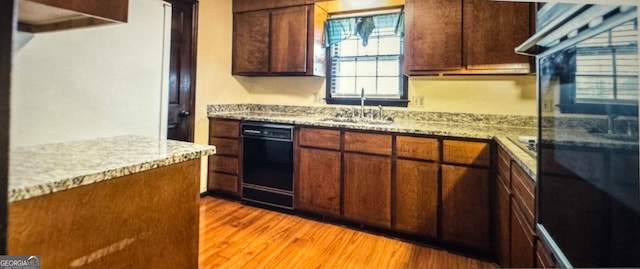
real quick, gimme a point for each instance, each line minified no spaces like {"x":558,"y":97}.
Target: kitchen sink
{"x":358,"y":120}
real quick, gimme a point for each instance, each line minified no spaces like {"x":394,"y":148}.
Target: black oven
{"x":588,"y":188}
{"x":267,"y":164}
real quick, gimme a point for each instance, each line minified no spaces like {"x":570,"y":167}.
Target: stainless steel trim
{"x":561,"y":259}
{"x":267,"y":189}
{"x":574,"y":27}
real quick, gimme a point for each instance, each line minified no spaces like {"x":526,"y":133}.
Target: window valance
{"x":339,"y":29}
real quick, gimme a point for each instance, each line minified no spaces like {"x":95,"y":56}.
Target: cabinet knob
{"x":184,"y":113}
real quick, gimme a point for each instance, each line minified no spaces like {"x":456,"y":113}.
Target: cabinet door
{"x":250,"y":42}
{"x":223,"y":182}
{"x":503,"y":223}
{"x":416,"y":195}
{"x":367,"y":189}
{"x":289,"y":40}
{"x":521,"y":240}
{"x":319,"y":181}
{"x":465,"y":206}
{"x":433,"y":35}
{"x":491,"y":32}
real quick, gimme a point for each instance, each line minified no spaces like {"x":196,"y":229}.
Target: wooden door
{"x":250,"y":42}
{"x":7,"y":29}
{"x":182,"y":70}
{"x":367,"y":189}
{"x":491,"y":32}
{"x":416,"y":192}
{"x":433,"y":35}
{"x":465,"y":206}
{"x":319,"y":181}
{"x":289,"y":40}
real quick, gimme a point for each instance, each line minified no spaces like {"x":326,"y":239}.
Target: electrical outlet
{"x":417,"y":101}
{"x":317,"y":99}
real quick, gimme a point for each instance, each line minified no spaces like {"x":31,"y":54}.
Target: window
{"x":605,"y":73}
{"x":366,"y":52}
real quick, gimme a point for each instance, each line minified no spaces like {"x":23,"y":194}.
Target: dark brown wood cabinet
{"x":251,"y":42}
{"x":279,"y":41}
{"x":319,"y":171}
{"x":503,"y":223}
{"x":515,"y":214}
{"x":503,"y":208}
{"x":492,"y":30}
{"x":522,"y":240}
{"x":367,"y":189}
{"x":224,"y":167}
{"x":470,"y":36}
{"x":544,"y":258}
{"x":416,"y":185}
{"x":53,"y":15}
{"x":416,"y":192}
{"x":466,"y":206}
{"x":433,"y":31}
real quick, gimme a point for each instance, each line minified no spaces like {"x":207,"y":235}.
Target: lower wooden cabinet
{"x":319,"y":181}
{"x":544,"y":258}
{"x":522,"y":240}
{"x":223,"y":182}
{"x":224,"y":167}
{"x":367,"y":189}
{"x":466,"y":206}
{"x":416,"y":197}
{"x":503,"y":223}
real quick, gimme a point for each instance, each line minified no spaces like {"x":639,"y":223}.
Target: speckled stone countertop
{"x":43,"y":169}
{"x":463,"y":129}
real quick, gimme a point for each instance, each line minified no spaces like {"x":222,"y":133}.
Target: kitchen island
{"x":119,"y":202}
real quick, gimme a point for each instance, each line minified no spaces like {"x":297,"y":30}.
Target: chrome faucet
{"x":380,"y":112}
{"x":362,"y":98}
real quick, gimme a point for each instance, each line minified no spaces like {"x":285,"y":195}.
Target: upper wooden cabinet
{"x":52,"y":15}
{"x":491,"y":32}
{"x":466,"y":37}
{"x":433,"y":30}
{"x":279,"y":41}
{"x":251,"y":5}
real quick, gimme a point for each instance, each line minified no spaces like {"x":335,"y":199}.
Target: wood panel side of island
{"x":143,"y":220}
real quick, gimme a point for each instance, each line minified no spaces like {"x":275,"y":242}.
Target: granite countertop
{"x":460,"y":130}
{"x":43,"y":169}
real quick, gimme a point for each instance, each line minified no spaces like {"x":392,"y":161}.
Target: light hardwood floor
{"x":233,"y":235}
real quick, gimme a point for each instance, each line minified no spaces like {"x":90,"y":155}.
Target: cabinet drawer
{"x":367,"y":143}
{"x":223,"y":182}
{"x":417,"y":147}
{"x":504,"y":166}
{"x":463,"y":152}
{"x":223,"y":164}
{"x":321,"y":138}
{"x":522,"y":186}
{"x":225,"y":146}
{"x":224,"y":128}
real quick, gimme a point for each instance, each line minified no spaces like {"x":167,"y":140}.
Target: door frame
{"x":193,"y":65}
{"x":8,"y":22}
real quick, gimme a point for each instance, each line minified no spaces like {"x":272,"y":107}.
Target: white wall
{"x":91,"y":82}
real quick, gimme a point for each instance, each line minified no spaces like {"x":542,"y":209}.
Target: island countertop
{"x":43,"y":169}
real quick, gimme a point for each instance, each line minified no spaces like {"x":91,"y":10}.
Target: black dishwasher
{"x":267,"y":164}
